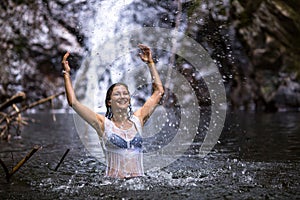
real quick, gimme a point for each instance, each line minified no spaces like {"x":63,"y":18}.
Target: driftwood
{"x":62,"y":159}
{"x":12,"y":117}
{"x":17,"y":98}
{"x":20,"y":164}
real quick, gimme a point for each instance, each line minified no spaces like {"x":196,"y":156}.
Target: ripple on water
{"x":230,"y":170}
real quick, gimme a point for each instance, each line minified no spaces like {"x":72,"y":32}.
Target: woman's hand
{"x":158,"y":90}
{"x":65,"y":63}
{"x":146,"y":54}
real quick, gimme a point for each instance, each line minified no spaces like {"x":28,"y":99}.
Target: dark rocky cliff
{"x":269,"y":32}
{"x":256,"y":45}
{"x":34,"y":35}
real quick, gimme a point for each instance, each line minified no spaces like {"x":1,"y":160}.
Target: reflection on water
{"x":257,"y":157}
{"x":263,"y":136}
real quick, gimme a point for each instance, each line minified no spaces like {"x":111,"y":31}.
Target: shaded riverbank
{"x":257,"y":157}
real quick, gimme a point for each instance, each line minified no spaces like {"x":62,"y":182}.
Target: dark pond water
{"x":257,"y":157}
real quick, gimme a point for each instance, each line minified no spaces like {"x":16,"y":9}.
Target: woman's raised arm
{"x":91,"y":117}
{"x":147,"y":109}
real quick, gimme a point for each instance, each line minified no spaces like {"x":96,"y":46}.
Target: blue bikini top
{"x":112,"y":136}
{"x":135,"y":143}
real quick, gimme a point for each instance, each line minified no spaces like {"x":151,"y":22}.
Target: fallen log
{"x":17,"y":98}
{"x":5,"y":169}
{"x":13,"y":116}
{"x":62,"y":159}
{"x":20,"y":164}
{"x":41,"y":101}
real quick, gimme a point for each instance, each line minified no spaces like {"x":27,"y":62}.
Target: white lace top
{"x":123,"y":149}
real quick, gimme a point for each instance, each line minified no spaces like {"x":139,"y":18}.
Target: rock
{"x":34,"y":36}
{"x":268,"y":30}
{"x":253,"y":43}
{"x":288,"y":93}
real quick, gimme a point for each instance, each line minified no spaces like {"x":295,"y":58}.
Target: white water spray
{"x":112,"y":58}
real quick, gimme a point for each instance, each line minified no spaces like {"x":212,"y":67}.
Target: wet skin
{"x":120,"y":99}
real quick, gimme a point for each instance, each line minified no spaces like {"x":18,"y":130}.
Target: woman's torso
{"x":123,"y":149}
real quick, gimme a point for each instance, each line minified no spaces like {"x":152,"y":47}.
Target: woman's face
{"x":120,"y":99}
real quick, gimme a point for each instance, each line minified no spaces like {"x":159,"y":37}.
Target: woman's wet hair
{"x":109,"y":113}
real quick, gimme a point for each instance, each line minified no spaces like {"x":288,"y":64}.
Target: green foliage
{"x":19,"y":45}
{"x":193,"y":5}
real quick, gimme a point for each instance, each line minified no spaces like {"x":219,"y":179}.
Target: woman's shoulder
{"x":135,"y":119}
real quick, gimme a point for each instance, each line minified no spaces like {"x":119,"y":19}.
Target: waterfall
{"x":112,"y":57}
{"x":99,"y":68}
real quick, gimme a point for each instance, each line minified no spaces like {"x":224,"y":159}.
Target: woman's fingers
{"x":143,"y":56}
{"x":146,"y":53}
{"x":65,"y":63}
{"x":143,"y":47}
{"x":66,"y":56}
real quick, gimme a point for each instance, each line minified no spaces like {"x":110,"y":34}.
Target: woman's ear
{"x":109,"y":103}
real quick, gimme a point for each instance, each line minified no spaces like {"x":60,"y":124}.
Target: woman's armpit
{"x":100,"y":124}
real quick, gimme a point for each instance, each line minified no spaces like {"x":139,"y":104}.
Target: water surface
{"x":257,"y":157}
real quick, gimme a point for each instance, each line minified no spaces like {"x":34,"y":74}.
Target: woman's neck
{"x":121,"y":121}
{"x":120,"y":118}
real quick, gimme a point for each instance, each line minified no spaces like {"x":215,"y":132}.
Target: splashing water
{"x":113,"y":58}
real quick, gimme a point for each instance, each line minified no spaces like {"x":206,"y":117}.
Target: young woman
{"x":119,"y":130}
